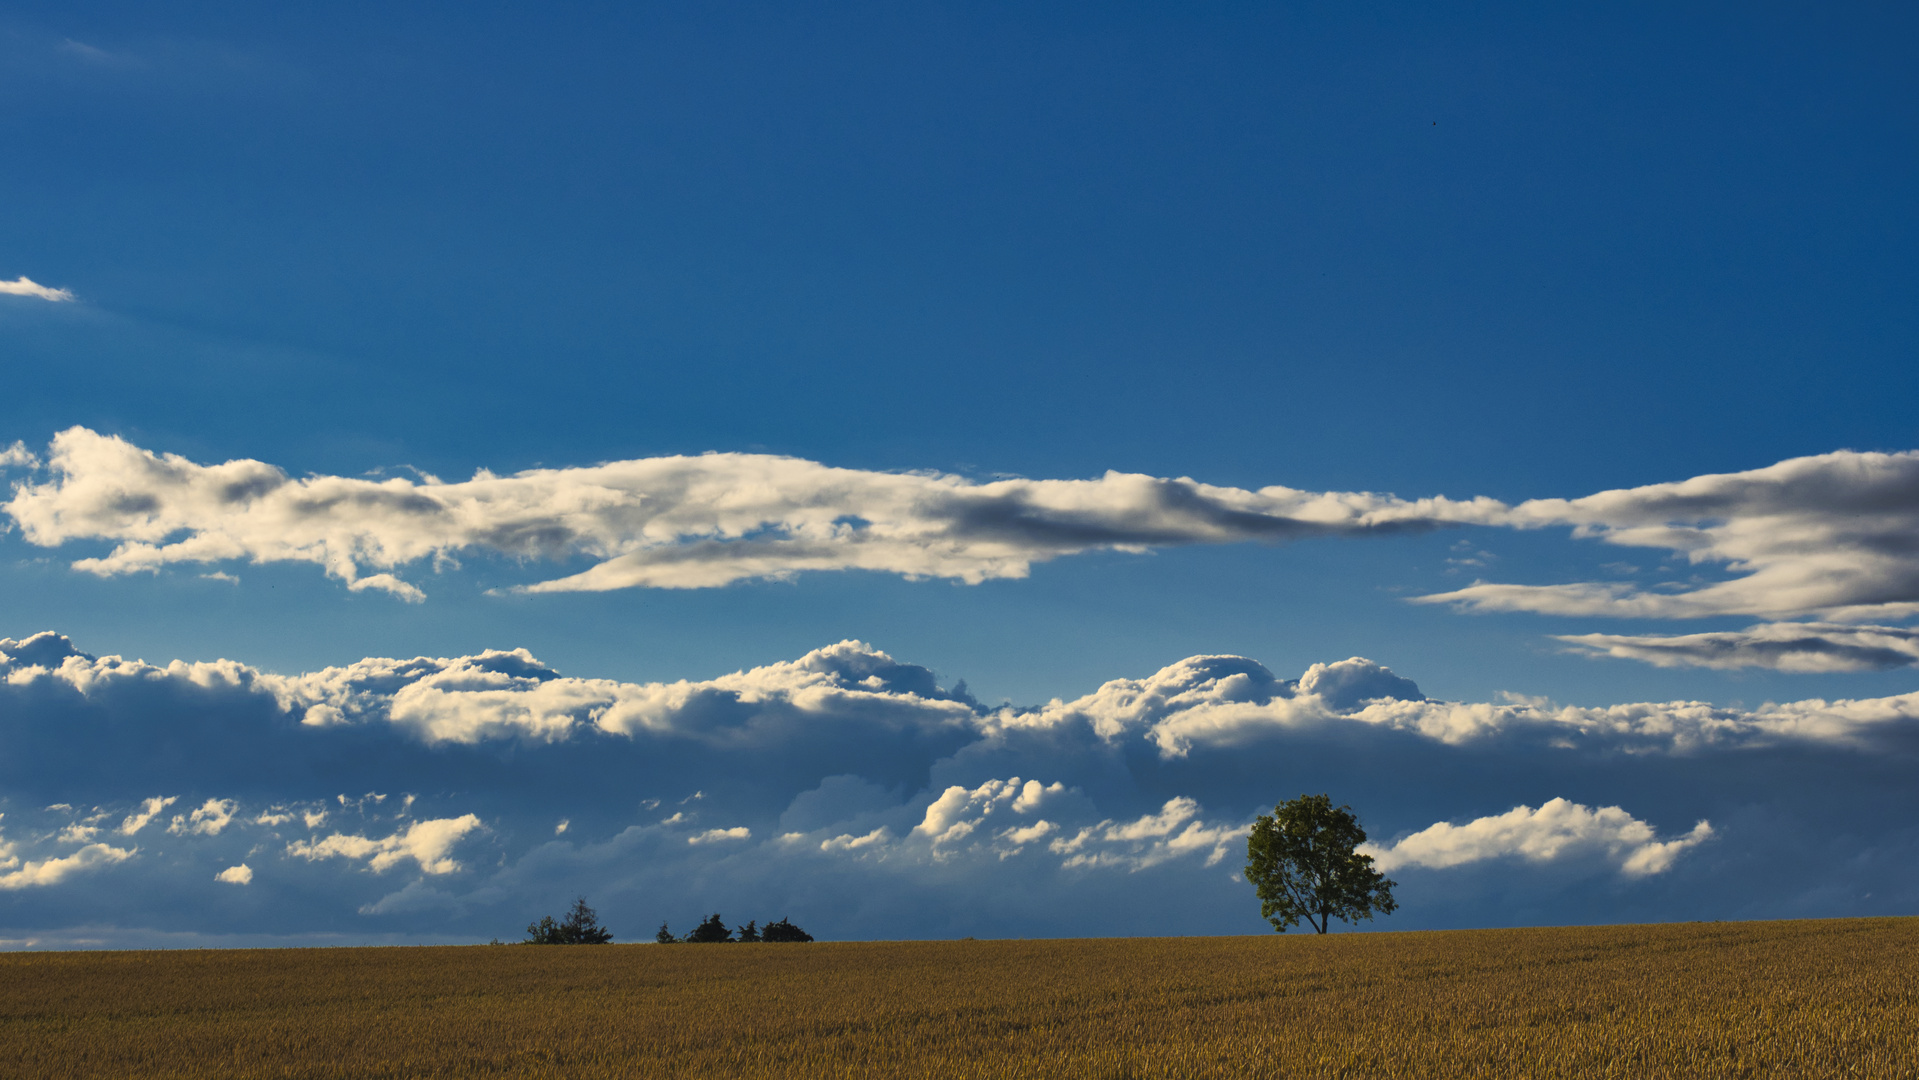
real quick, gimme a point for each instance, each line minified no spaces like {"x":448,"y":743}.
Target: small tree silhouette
{"x":710,"y":932}
{"x":580,"y":927}
{"x":665,"y":936}
{"x":783,"y":931}
{"x":749,"y":932}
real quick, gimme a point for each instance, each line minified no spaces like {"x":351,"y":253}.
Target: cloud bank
{"x":855,"y":691}
{"x":401,"y":799}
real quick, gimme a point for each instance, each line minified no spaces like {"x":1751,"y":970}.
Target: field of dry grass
{"x":1788,"y":999}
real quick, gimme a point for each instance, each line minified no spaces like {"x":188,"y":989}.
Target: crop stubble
{"x":1801,"y":999}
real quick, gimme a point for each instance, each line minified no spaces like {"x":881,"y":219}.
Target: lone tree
{"x":580,"y":927}
{"x":1302,"y":862}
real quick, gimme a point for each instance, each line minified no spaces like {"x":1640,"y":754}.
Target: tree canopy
{"x":580,"y":927}
{"x":1301,"y":859}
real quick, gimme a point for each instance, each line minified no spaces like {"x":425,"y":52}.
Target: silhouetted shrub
{"x":784,"y":931}
{"x":749,"y":932}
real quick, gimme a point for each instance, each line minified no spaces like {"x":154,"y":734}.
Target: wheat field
{"x":1826,"y":998}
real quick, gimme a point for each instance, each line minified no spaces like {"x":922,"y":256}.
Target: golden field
{"x":1785,"y":999}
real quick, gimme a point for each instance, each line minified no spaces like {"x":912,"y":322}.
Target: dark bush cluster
{"x":580,"y":927}
{"x":713,"y":931}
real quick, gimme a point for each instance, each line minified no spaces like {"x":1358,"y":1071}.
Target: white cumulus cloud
{"x":149,"y":809}
{"x":848,"y":842}
{"x":999,"y":819}
{"x":54,"y":871}
{"x":206,"y":820}
{"x":711,"y":836}
{"x":959,"y":810}
{"x":1222,"y":702}
{"x":1556,"y":830}
{"x":1202,"y":702}
{"x":1176,"y":830}
{"x":236,"y":875}
{"x":512,"y":695}
{"x":428,"y":843}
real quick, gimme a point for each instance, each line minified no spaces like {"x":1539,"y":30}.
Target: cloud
{"x":1793,"y":646}
{"x":854,"y":695}
{"x":46,"y":872}
{"x":960,"y":811}
{"x":849,"y":842}
{"x":1829,"y":535}
{"x":236,"y":875}
{"x":1226,"y":702}
{"x":428,"y":843}
{"x":668,"y":522}
{"x":853,"y":791}
{"x":998,"y":820}
{"x":1558,"y":830}
{"x":1174,"y":831}
{"x":211,"y":817}
{"x":497,"y":695}
{"x":24,"y":286}
{"x":149,"y":810}
{"x":1823,"y":536}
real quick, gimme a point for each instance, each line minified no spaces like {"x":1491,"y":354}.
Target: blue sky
{"x":1040,"y":348}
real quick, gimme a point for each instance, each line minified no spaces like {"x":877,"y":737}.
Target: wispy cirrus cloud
{"x":25,"y":286}
{"x":1791,"y":646}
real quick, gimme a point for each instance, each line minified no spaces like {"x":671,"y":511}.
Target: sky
{"x":930,"y":470}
